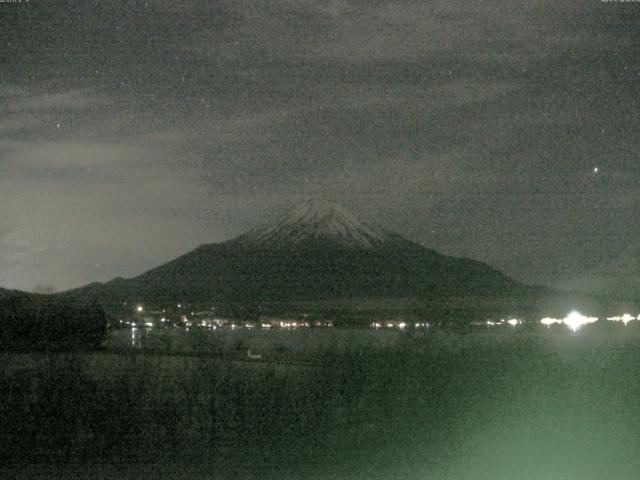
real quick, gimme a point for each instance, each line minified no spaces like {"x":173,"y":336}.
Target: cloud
{"x":16,"y":123}
{"x":130,"y":135}
{"x":70,"y":100}
{"x":72,"y":227}
{"x":33,"y":114}
{"x":369,"y":32}
{"x":64,"y":155}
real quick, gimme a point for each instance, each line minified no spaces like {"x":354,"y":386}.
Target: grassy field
{"x":493,"y":404}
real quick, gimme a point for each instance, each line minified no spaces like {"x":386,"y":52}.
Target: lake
{"x":491,"y":403}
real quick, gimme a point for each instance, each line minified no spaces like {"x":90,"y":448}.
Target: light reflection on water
{"x":139,"y":336}
{"x":133,"y":337}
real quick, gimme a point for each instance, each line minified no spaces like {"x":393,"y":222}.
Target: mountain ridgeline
{"x":317,"y":252}
{"x":30,"y":321}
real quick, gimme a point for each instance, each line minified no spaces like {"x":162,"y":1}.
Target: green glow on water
{"x":512,"y":405}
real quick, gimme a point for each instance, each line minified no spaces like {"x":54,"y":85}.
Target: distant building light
{"x":626,"y":318}
{"x":139,"y":308}
{"x":548,"y":321}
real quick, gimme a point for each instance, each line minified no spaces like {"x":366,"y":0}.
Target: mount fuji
{"x":317,"y":222}
{"x":317,"y":252}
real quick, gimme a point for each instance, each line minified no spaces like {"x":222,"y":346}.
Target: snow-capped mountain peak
{"x":317,"y":221}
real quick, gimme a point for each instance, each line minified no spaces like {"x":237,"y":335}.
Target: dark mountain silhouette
{"x":4,"y":292}
{"x":318,"y":251}
{"x":31,"y":321}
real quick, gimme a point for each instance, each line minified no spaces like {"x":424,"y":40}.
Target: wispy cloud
{"x":69,"y":100}
{"x":179,"y":123}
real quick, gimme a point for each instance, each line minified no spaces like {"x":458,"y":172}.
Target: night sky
{"x":131,"y":132}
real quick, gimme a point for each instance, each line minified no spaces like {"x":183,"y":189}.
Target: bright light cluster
{"x":292,"y":324}
{"x":575,"y":320}
{"x":512,"y":321}
{"x":626,"y":318}
{"x":400,"y":325}
{"x":548,"y":321}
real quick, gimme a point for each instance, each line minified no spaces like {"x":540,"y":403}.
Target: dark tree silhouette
{"x":42,"y":322}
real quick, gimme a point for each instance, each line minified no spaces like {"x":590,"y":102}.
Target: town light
{"x":548,"y":321}
{"x":626,"y":318}
{"x":575,"y":320}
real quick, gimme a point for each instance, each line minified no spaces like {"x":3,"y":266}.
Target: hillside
{"x":317,"y":252}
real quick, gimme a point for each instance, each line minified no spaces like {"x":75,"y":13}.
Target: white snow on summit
{"x":318,"y":220}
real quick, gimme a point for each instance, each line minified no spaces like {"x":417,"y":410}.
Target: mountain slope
{"x":319,"y":251}
{"x":4,"y":293}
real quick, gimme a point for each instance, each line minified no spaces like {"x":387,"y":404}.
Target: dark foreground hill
{"x":44,"y":322}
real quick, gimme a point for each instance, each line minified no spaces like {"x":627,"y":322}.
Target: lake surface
{"x":505,"y":404}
